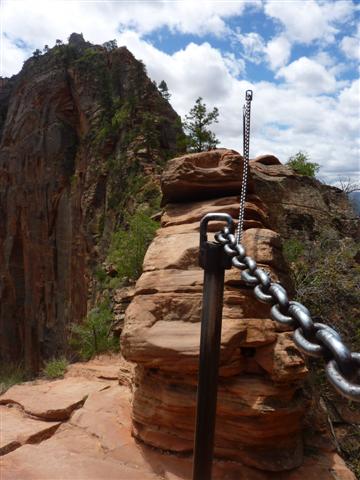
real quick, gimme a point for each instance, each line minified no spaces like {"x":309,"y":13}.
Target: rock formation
{"x":260,"y":405}
{"x":78,"y":125}
{"x":82,"y":429}
{"x":299,"y":204}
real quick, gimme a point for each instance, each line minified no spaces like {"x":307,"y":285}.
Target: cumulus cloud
{"x":351,"y":47}
{"x":278,"y":52}
{"x":252,"y":45}
{"x":308,"y":76}
{"x":40,"y":22}
{"x":308,"y":21}
{"x":349,"y":100}
{"x":100,"y":18}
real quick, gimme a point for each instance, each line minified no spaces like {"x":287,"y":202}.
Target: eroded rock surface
{"x":51,"y":400}
{"x":17,"y":429}
{"x":299,"y":203}
{"x":206,"y":175}
{"x":96,"y":442}
{"x":260,"y":406}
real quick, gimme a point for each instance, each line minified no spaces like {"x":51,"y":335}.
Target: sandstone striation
{"x":260,"y":405}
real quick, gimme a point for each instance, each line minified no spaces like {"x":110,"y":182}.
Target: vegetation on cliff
{"x":326,"y":274}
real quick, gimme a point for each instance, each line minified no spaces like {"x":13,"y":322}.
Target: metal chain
{"x":312,"y":338}
{"x":246,"y":152}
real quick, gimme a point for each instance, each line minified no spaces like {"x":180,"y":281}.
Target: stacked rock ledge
{"x":260,"y":404}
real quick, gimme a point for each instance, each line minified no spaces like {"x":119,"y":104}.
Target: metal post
{"x":214,"y":261}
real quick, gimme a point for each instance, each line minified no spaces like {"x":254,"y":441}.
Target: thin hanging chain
{"x":246,"y":147}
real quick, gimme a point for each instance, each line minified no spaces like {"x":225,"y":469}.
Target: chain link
{"x":246,"y":152}
{"x":313,"y":339}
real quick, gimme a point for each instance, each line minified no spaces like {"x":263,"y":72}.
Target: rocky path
{"x":79,"y":428}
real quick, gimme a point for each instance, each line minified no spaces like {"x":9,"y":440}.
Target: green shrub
{"x":88,"y":59}
{"x":293,"y":249}
{"x":301,"y":164}
{"x":100,"y":275}
{"x":11,"y":374}
{"x":94,"y":335}
{"x":120,"y":117}
{"x":327,"y":279}
{"x":55,"y":367}
{"x":128,"y":246}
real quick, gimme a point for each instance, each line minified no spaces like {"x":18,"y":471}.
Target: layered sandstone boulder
{"x":260,"y":406}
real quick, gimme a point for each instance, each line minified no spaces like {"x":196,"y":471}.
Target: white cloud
{"x":308,"y":76}
{"x":351,"y":47}
{"x":253,"y":46}
{"x":99,"y":18}
{"x":349,"y":100}
{"x":306,"y":21}
{"x":40,"y":22}
{"x":236,"y":66}
{"x":11,"y":57}
{"x":278,"y":51}
{"x":331,"y":63}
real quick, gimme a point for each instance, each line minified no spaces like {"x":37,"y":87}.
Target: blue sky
{"x":301,"y":58}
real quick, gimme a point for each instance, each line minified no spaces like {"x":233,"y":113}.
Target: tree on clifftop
{"x":163,"y":89}
{"x":199,"y":137}
{"x":37,"y":53}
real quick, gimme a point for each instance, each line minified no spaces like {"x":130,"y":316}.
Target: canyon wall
{"x":78,"y":124}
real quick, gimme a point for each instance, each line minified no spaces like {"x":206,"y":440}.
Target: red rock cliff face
{"x":63,"y":170}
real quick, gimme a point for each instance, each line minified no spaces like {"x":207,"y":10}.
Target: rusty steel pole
{"x":214,"y":262}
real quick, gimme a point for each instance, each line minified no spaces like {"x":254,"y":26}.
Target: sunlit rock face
{"x":260,"y":406}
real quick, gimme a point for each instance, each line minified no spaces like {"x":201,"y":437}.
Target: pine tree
{"x":163,"y":89}
{"x":37,"y":53}
{"x":110,"y":45}
{"x":199,"y":137}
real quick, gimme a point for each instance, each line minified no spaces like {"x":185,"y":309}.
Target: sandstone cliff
{"x":78,"y":126}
